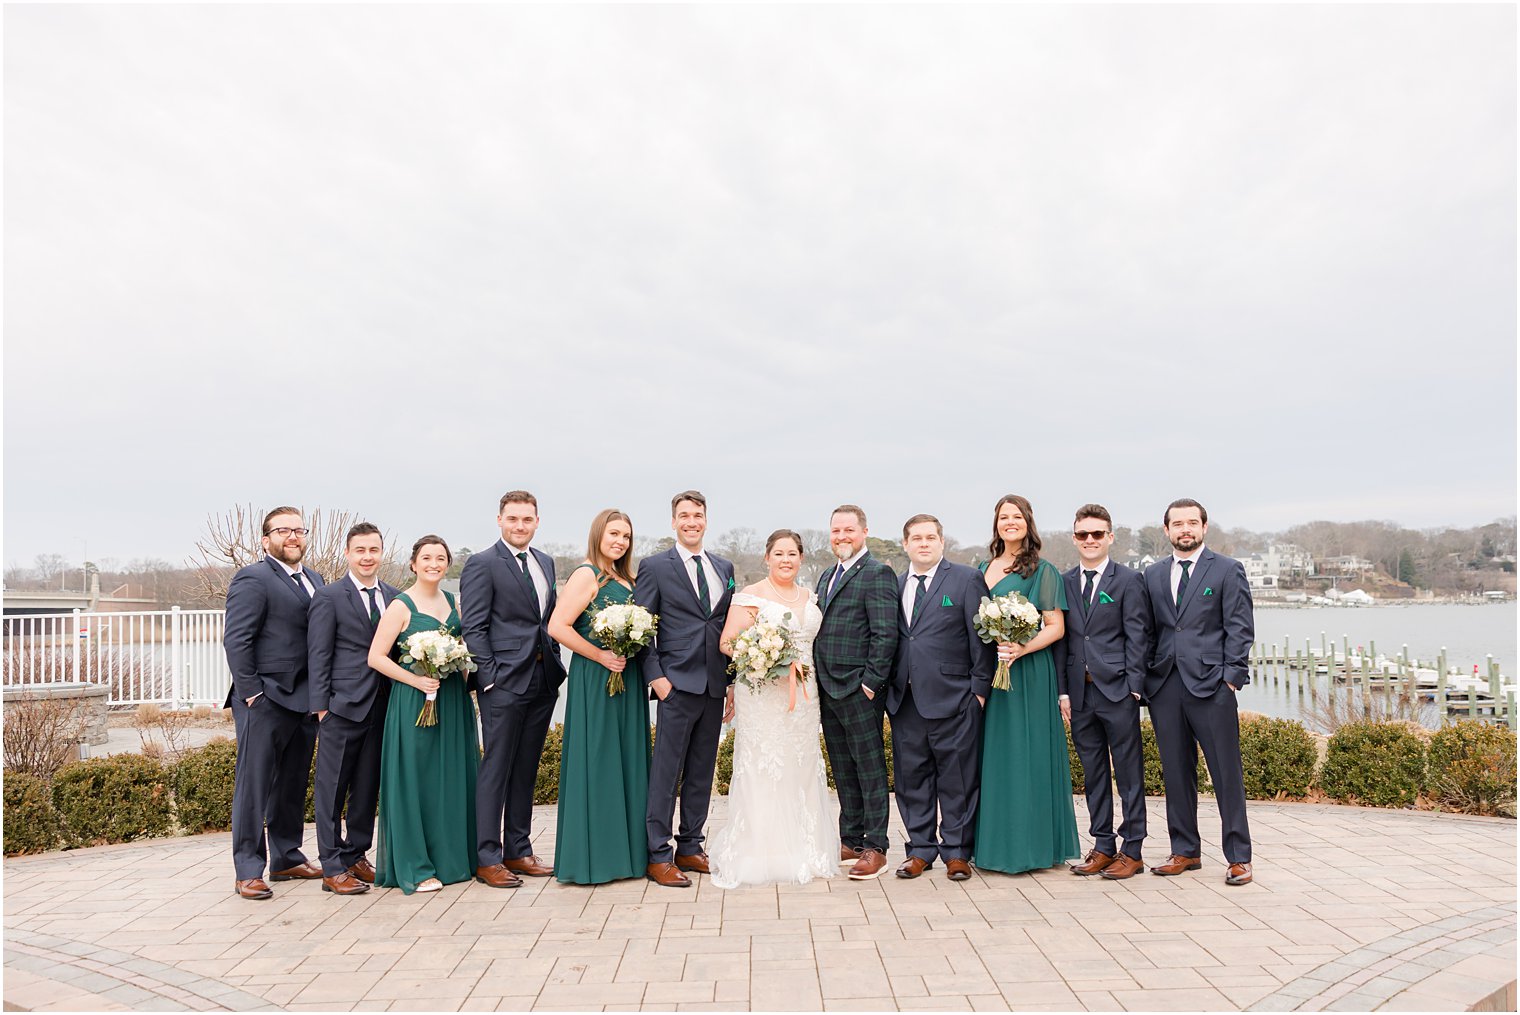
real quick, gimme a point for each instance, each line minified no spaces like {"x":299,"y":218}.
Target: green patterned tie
{"x":1087,"y":587}
{"x":919,"y":594}
{"x":1182,"y":585}
{"x":703,"y":596}
{"x":374,"y":609}
{"x":522,"y":558}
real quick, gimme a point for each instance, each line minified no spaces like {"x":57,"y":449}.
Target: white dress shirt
{"x":379,"y":592}
{"x":838,"y":571}
{"x":910,"y":587}
{"x":540,"y":582}
{"x":1177,"y":560}
{"x":1101,"y":566}
{"x":714,"y":583}
{"x":297,"y":572}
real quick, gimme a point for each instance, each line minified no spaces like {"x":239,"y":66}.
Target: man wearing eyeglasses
{"x":265,"y":641}
{"x":1108,"y":633}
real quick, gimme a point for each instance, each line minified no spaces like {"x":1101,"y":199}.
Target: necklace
{"x":789,"y":602}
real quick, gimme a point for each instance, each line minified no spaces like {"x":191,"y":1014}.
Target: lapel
{"x":1163,"y":579}
{"x":521,"y":582}
{"x":679,"y":563}
{"x":284,"y":579}
{"x":1195,"y":580}
{"x":354,"y":596}
{"x":935,"y":589}
{"x":844,"y":579}
{"x":1075,"y":617}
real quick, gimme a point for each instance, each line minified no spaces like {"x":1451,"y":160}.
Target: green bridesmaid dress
{"x":1026,"y":820}
{"x":427,"y":777}
{"x":604,"y":766}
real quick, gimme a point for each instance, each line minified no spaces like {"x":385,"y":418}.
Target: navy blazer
{"x":685,"y":648}
{"x":264,"y":634}
{"x":1111,"y":640}
{"x":502,"y":625}
{"x":338,"y":636}
{"x":1207,"y":639}
{"x":940,"y":652}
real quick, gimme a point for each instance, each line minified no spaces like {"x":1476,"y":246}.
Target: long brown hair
{"x":1028,"y":557}
{"x":623,"y":566}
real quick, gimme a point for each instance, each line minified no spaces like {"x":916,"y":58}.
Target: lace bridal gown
{"x":781,"y":823}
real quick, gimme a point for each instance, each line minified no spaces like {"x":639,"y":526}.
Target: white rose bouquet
{"x":623,"y":629}
{"x":435,"y":654}
{"x":766,"y":652}
{"x":1010,"y":618}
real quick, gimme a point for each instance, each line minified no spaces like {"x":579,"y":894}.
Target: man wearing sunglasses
{"x":1108,"y":632}
{"x":264,"y":635}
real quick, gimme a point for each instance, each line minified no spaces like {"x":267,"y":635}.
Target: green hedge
{"x":1381,"y":764}
{"x":546,"y":786}
{"x":203,"y":781}
{"x":1278,"y":756}
{"x":1472,"y":766}
{"x":31,"y":824}
{"x":114,"y":799}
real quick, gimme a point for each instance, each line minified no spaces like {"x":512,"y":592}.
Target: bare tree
{"x":48,"y":566}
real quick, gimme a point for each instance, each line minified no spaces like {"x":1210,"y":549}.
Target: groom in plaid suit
{"x":853,"y":653}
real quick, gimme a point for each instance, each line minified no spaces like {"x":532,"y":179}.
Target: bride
{"x":780,"y":820}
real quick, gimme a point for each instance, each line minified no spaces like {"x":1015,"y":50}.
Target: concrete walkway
{"x":1352,"y":909}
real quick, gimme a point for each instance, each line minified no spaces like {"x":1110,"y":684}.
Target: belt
{"x":1089,"y":678}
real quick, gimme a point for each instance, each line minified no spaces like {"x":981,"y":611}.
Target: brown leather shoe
{"x":497,"y":876}
{"x":252,"y":888}
{"x":302,"y":871}
{"x":1122,"y":867}
{"x":957,"y":870}
{"x":363,"y":871}
{"x":1240,"y":874}
{"x":1092,"y":863}
{"x":1177,"y":864}
{"x":910,"y":868}
{"x":694,"y":862}
{"x":344,"y":884}
{"x":667,"y":875}
{"x":870,"y":865}
{"x":529,"y":866}
{"x":848,"y":855}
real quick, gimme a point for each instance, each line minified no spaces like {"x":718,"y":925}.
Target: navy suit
{"x":264,"y":636}
{"x":516,"y":687}
{"x":338,"y":635}
{"x":689,"y":721}
{"x":1106,"y":651}
{"x":1199,"y":646}
{"x":940,"y":668}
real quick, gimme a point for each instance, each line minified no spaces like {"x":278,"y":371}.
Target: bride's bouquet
{"x":435,"y":654}
{"x":1010,"y":618}
{"x":766,"y":652}
{"x":623,"y":629}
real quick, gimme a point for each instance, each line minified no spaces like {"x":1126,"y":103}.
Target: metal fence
{"x":171,"y":657}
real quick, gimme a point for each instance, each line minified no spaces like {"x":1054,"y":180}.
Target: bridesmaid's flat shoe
{"x":430,"y":885}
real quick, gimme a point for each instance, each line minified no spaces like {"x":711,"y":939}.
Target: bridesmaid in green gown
{"x":1026,"y":820}
{"x":604,"y":761}
{"x":427,"y":773}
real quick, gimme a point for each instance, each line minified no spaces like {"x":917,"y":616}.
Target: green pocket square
{"x":1208,"y":591}
{"x":730,"y":585}
{"x":947,"y":602}
{"x":1104,"y":597}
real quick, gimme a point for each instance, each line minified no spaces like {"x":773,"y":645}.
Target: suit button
{"x":1086,"y":638}
{"x":1179,"y":628}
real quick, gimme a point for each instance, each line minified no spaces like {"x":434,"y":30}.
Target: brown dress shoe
{"x":497,"y":876}
{"x":344,"y":884}
{"x":363,"y":871}
{"x":1123,"y":867}
{"x":252,"y":888}
{"x":848,"y":855}
{"x":1092,"y":863}
{"x":694,"y":862}
{"x":667,"y":875}
{"x":1177,"y":864}
{"x":1240,"y":874}
{"x":301,"y":871}
{"x":529,"y":866}
{"x":870,"y":865}
{"x":957,"y":870}
{"x":910,"y":868}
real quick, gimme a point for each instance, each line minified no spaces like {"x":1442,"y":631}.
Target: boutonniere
{"x":946,"y":602}
{"x":1208,"y":591}
{"x":730,"y":586}
{"x":1104,"y":597}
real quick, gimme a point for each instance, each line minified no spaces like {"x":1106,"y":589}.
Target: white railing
{"x":169,"y":657}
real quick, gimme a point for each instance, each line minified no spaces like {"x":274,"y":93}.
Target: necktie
{"x":919,"y":594}
{"x":838,"y":574}
{"x":522,"y":558}
{"x":1182,"y":584}
{"x":300,"y":584}
{"x":1087,"y":588}
{"x":374,"y":607}
{"x":703,"y":596}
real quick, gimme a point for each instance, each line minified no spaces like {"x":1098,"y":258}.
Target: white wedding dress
{"x":781,"y":823}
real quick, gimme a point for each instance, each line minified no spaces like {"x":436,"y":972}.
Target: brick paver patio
{"x":1352,"y":909}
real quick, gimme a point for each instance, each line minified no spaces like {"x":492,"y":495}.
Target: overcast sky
{"x":399,"y":260}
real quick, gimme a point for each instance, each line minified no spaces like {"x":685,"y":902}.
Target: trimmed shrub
{"x":1381,"y":764}
{"x":1078,"y":775}
{"x":311,"y":789}
{"x":203,"y":781}
{"x":115,"y":799}
{"x":724,"y":774}
{"x":886,"y":744}
{"x":546,"y":787}
{"x":1155,"y":783}
{"x":1472,"y":767}
{"x":31,"y":825}
{"x":1278,"y":756}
